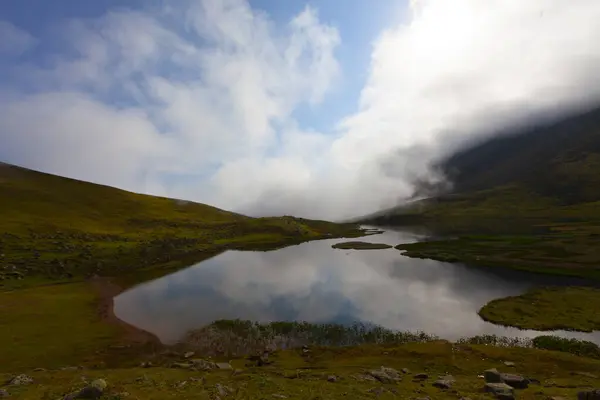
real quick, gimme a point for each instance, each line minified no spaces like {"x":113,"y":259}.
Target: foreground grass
{"x":296,"y":374}
{"x":54,"y":228}
{"x":552,"y":308}
{"x":51,"y":326}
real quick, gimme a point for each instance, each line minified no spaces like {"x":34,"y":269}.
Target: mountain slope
{"x":59,"y":227}
{"x":546,"y":172}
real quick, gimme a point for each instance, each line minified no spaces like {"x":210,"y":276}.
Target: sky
{"x":322,"y":109}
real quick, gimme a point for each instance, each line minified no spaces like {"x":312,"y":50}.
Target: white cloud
{"x":208,"y":89}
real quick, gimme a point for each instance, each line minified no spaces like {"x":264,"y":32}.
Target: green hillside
{"x":53,"y":228}
{"x":528,"y":200}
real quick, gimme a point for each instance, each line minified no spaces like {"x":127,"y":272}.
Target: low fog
{"x":198,"y":102}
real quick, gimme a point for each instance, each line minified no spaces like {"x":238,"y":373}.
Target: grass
{"x":557,"y":249}
{"x":54,"y":228}
{"x":296,"y":374}
{"x":550,"y":308}
{"x":51,"y":326}
{"x":361,"y":246}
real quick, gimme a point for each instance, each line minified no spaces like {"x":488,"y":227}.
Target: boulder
{"x":332,"y":378}
{"x":21,"y":380}
{"x":516,"y":381}
{"x":443,"y":383}
{"x":4,"y":393}
{"x":500,"y":390}
{"x":385,"y":375}
{"x":492,"y":376}
{"x":593,"y":394}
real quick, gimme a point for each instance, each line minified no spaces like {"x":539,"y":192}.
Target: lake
{"x":315,"y":283}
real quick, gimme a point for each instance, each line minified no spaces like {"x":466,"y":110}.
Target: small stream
{"x":315,"y":283}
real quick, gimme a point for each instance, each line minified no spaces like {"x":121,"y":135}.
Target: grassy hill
{"x":54,"y":228}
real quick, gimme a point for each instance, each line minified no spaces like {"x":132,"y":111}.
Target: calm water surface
{"x":315,"y":283}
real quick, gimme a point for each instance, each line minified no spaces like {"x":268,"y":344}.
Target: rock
{"x":146,"y":364}
{"x":223,"y":365}
{"x":21,"y":380}
{"x":332,"y":378}
{"x":443,"y":383}
{"x":586,"y":374}
{"x":279,"y":396}
{"x":405,"y":370}
{"x":203,"y":364}
{"x":363,"y":377}
{"x":593,"y":394}
{"x":378,"y":391}
{"x":93,"y":391}
{"x":492,"y":376}
{"x":421,"y":376}
{"x":509,"y":363}
{"x":385,"y":375}
{"x":223,"y":390}
{"x":500,"y":390}
{"x":189,"y":354}
{"x":516,"y":381}
{"x":182,"y":365}
{"x":4,"y":393}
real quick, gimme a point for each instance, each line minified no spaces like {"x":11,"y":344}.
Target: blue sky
{"x":325,"y":109}
{"x":359,"y":22}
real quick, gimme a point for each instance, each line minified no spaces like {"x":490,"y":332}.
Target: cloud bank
{"x":198,"y":101}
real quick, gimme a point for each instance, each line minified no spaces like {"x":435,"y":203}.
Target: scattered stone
{"x":443,"y":383}
{"x":385,"y":375}
{"x":203,"y":364}
{"x":39,"y":370}
{"x":223,"y":390}
{"x":556,"y":398}
{"x":516,"y":381}
{"x":189,"y":354}
{"x":70,"y":368}
{"x":223,"y":365}
{"x":500,"y":390}
{"x":4,"y":393}
{"x":509,"y":363}
{"x":378,"y":391}
{"x":93,"y":391}
{"x":423,"y":398}
{"x":181,"y":385}
{"x":123,"y":394}
{"x":593,"y":394}
{"x":332,"y":378}
{"x":182,"y":365}
{"x":237,"y":372}
{"x":363,"y":377}
{"x":405,"y":370}
{"x":492,"y":376}
{"x":305,"y":349}
{"x":279,"y":396}
{"x":586,"y":374}
{"x":421,"y":376}
{"x":465,"y":398}
{"x":146,"y":364}
{"x":21,"y":380}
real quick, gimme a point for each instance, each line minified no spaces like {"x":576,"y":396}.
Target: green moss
{"x":551,"y":308}
{"x":361,"y":246}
